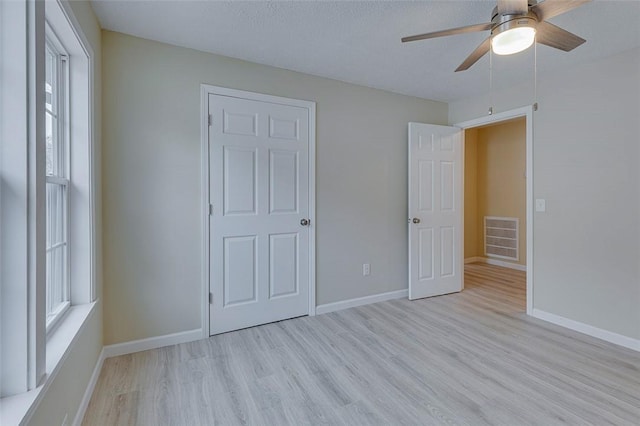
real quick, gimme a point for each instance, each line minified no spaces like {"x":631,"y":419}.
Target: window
{"x":47,"y":198}
{"x":57,"y":172}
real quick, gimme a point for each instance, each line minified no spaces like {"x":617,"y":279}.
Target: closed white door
{"x":259,"y":221}
{"x":435,"y":210}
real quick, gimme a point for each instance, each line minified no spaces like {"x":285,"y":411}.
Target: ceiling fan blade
{"x":450,"y":31}
{"x":550,"y":8}
{"x":513,"y":7}
{"x":550,"y":35}
{"x":475,"y":55}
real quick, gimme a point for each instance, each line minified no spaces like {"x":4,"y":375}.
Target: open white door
{"x":435,"y":210}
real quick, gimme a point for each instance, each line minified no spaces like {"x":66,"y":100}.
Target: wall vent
{"x":501,"y":237}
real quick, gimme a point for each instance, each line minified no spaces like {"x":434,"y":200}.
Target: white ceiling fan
{"x":515,"y":25}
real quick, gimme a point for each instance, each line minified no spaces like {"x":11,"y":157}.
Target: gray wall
{"x":586,"y":162}
{"x":151,"y":181}
{"x":66,"y":391}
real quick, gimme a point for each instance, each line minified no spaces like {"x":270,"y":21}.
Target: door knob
{"x":416,"y":220}
{"x":305,"y":222}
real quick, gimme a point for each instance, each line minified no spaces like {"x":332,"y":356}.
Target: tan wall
{"x":495,"y":184}
{"x":502,"y":184}
{"x":151,"y":190}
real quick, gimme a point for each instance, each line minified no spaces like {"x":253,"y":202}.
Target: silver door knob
{"x":416,"y":220}
{"x":305,"y":222}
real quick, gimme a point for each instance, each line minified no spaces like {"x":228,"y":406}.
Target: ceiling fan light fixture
{"x":515,"y":26}
{"x":513,"y":40}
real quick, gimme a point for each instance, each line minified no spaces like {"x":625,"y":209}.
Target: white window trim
{"x":82,"y":247}
{"x":68,"y":38}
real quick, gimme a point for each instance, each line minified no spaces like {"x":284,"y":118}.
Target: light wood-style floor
{"x":471,"y":358}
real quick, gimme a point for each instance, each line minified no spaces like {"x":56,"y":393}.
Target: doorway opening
{"x":495,"y":208}
{"x":498,"y":204}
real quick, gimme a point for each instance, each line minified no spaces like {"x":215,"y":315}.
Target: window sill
{"x":56,"y":318}
{"x":18,"y":409}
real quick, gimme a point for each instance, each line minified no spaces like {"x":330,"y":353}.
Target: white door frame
{"x":526,"y":112}
{"x":205,"y":91}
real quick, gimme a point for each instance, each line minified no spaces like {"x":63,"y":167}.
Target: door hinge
{"x":210,"y":209}
{"x":211,"y":298}
{"x":210,"y":119}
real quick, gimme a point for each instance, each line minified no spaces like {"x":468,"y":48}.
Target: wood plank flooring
{"x":472,"y":358}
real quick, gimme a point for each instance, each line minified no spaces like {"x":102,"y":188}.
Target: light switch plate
{"x":541,"y":205}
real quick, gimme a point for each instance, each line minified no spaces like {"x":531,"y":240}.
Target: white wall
{"x":65,"y":392}
{"x":586,"y":162}
{"x":151,"y":190}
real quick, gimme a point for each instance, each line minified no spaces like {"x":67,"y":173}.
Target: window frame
{"x":60,"y":102}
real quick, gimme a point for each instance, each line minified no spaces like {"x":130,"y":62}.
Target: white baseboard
{"x":587,"y":329}
{"x":82,"y":409}
{"x":359,"y":301}
{"x":151,"y":343}
{"x":129,"y":348}
{"x":504,"y":264}
{"x":496,"y":262}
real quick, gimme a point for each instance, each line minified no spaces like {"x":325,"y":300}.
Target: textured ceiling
{"x":359,"y":42}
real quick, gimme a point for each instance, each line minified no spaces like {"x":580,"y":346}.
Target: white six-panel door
{"x":259,"y":192}
{"x":435,"y":210}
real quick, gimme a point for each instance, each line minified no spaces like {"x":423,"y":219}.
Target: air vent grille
{"x":501,"y":237}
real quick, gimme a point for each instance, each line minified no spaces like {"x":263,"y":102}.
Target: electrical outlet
{"x":366,"y":269}
{"x":541,"y":205}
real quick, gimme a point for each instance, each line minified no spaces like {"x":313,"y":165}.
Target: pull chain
{"x":490,"y":80}
{"x":535,"y":76}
